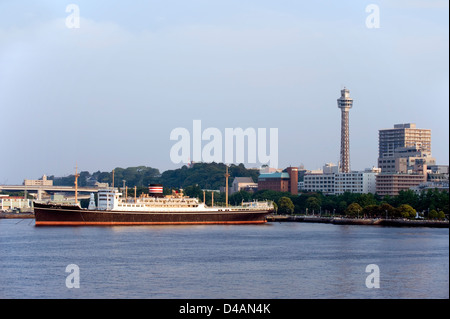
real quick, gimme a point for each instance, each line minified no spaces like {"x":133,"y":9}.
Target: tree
{"x":371,"y":211}
{"x":194,"y":191}
{"x":285,"y":205}
{"x":266,"y":194}
{"x":342,"y":206}
{"x":239,"y":197}
{"x":313,"y":203}
{"x":406,"y":211}
{"x":386,"y":210}
{"x":433,"y":214}
{"x":366,"y":200}
{"x":407,"y":197}
{"x":353,"y":210}
{"x":275,"y":206}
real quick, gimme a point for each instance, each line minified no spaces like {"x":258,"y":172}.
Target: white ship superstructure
{"x":111,"y":199}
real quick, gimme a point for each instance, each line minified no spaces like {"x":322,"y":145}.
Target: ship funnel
{"x":155,"y":190}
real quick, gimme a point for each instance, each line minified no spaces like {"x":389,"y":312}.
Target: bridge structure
{"x":41,"y":189}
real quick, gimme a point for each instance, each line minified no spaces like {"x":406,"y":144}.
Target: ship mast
{"x":226,"y":187}
{"x":76,"y":183}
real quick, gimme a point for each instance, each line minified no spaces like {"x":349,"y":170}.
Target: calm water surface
{"x":275,"y":260}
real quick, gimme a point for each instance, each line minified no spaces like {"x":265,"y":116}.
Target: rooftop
{"x":243,"y":180}
{"x":274,"y":175}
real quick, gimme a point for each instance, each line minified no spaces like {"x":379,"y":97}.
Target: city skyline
{"x":108,"y":94}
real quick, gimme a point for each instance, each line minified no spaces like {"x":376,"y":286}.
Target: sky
{"x":108,"y":89}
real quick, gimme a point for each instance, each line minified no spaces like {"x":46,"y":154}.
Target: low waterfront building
{"x":13,"y":202}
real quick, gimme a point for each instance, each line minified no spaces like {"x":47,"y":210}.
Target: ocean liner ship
{"x":148,"y":209}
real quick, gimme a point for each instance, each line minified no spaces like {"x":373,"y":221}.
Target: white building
{"x":319,"y":183}
{"x":330,"y":168}
{"x":361,"y":182}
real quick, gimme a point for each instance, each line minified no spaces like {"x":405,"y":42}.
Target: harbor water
{"x":270,"y":261}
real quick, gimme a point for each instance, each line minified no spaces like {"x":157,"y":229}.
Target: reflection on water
{"x":275,"y":260}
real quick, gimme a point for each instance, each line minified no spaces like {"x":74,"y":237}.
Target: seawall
{"x":359,"y":221}
{"x":16,"y":215}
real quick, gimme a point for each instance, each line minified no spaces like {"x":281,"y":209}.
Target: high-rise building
{"x":401,"y":146}
{"x":345,"y":103}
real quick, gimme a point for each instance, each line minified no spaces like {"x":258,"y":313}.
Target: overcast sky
{"x":109,"y":93}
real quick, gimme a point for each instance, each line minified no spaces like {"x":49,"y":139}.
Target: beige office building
{"x":402,"y":145}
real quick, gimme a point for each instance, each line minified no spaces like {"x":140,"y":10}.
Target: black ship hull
{"x":59,"y":215}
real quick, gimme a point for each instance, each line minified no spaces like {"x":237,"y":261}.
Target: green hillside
{"x":205,"y":175}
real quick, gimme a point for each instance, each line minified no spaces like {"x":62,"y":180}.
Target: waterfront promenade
{"x":358,"y":221}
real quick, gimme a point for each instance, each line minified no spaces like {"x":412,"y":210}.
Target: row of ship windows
{"x":136,"y":205}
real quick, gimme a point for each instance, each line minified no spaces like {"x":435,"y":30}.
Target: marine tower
{"x":345,"y":103}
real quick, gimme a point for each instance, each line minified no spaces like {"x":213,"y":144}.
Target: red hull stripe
{"x":73,"y":223}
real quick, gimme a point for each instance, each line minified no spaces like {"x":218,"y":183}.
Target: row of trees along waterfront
{"x":433,"y":204}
